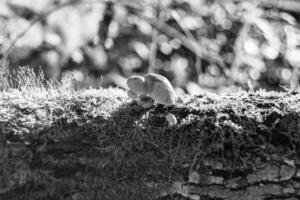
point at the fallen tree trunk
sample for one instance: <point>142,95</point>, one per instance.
<point>97,144</point>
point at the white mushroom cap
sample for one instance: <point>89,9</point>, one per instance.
<point>160,89</point>
<point>171,119</point>
<point>136,84</point>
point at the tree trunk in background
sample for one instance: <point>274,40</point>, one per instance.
<point>99,145</point>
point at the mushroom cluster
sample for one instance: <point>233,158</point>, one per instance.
<point>151,88</point>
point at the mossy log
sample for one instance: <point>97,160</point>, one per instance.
<point>98,144</point>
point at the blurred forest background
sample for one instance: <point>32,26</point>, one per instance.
<point>199,45</point>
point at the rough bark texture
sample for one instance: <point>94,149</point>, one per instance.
<point>97,144</point>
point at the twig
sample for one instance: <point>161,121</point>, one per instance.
<point>186,30</point>
<point>180,22</point>
<point>153,46</point>
<point>190,44</point>
<point>238,49</point>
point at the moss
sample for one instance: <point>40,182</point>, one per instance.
<point>98,144</point>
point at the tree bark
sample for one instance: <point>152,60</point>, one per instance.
<point>98,144</point>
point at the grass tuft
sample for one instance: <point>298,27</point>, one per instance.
<point>26,79</point>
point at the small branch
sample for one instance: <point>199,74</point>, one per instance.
<point>187,32</point>
<point>153,46</point>
<point>190,44</point>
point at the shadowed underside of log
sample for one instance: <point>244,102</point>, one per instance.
<point>97,144</point>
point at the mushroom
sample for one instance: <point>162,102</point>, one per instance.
<point>171,119</point>
<point>153,86</point>
<point>136,84</point>
<point>160,89</point>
